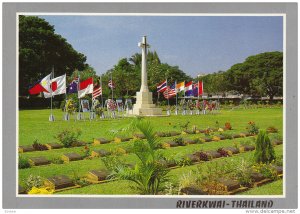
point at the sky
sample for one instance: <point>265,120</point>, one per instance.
<point>197,44</point>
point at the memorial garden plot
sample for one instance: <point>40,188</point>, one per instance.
<point>85,165</point>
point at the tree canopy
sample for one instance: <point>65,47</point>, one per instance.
<point>258,75</point>
<point>40,49</point>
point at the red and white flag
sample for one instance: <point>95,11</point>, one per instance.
<point>200,88</point>
<point>58,86</point>
<point>97,91</point>
<point>85,87</point>
<point>111,84</point>
<point>42,85</point>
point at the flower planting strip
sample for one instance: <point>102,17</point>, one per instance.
<point>52,184</point>
<point>98,141</point>
<point>102,153</point>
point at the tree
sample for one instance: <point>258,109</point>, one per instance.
<point>40,49</point>
<point>264,152</point>
<point>149,175</point>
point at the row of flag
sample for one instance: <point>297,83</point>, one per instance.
<point>50,86</point>
<point>190,89</point>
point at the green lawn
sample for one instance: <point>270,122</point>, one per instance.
<point>34,124</point>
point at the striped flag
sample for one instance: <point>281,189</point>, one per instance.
<point>162,86</point>
<point>111,84</point>
<point>180,86</point>
<point>170,92</point>
<point>97,91</point>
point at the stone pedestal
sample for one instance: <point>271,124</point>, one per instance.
<point>144,105</point>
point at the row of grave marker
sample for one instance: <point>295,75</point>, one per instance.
<point>117,139</point>
<point>38,161</point>
<point>63,182</point>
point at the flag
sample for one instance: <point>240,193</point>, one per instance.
<point>42,85</point>
<point>180,86</point>
<point>195,89</point>
<point>97,91</point>
<point>170,92</point>
<point>189,89</point>
<point>200,88</point>
<point>85,87</point>
<point>111,84</point>
<point>162,86</point>
<point>72,88</point>
<point>58,86</point>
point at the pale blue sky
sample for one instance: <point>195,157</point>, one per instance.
<point>197,44</point>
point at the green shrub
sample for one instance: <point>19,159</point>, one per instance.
<point>33,181</point>
<point>264,149</point>
<point>243,173</point>
<point>252,128</point>
<point>23,163</point>
<point>67,137</point>
<point>38,146</point>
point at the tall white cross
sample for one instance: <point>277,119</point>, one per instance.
<point>144,46</point>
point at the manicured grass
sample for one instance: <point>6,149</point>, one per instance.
<point>34,124</point>
<point>274,188</point>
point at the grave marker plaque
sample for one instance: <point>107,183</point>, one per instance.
<point>193,157</point>
<point>139,136</point>
<point>256,177</point>
<point>97,175</point>
<point>99,141</point>
<point>26,149</point>
<point>71,157</point>
<point>100,153</point>
<point>232,150</point>
<point>38,161</point>
<point>192,191</point>
<point>248,148</point>
<point>230,185</point>
<point>59,182</point>
<point>119,139</point>
<point>53,146</point>
<point>213,154</point>
<point>189,141</point>
<point>174,133</point>
<point>21,190</point>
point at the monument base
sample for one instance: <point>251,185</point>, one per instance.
<point>144,105</point>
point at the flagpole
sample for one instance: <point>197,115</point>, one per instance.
<point>176,96</point>
<point>66,97</point>
<point>51,119</point>
<point>78,87</point>
<point>101,91</point>
<point>112,88</point>
<point>168,93</point>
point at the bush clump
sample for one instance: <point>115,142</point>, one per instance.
<point>68,137</point>
<point>38,146</point>
<point>264,152</point>
<point>23,163</point>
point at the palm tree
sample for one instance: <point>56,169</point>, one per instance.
<point>149,174</point>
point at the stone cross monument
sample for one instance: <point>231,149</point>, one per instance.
<point>144,105</point>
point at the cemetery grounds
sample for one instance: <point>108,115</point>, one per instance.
<point>35,127</point>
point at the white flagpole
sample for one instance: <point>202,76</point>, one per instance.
<point>101,91</point>
<point>66,97</point>
<point>51,118</point>
<point>112,88</point>
<point>176,95</point>
<point>168,93</point>
<point>78,87</point>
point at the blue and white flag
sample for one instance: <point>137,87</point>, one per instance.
<point>73,86</point>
